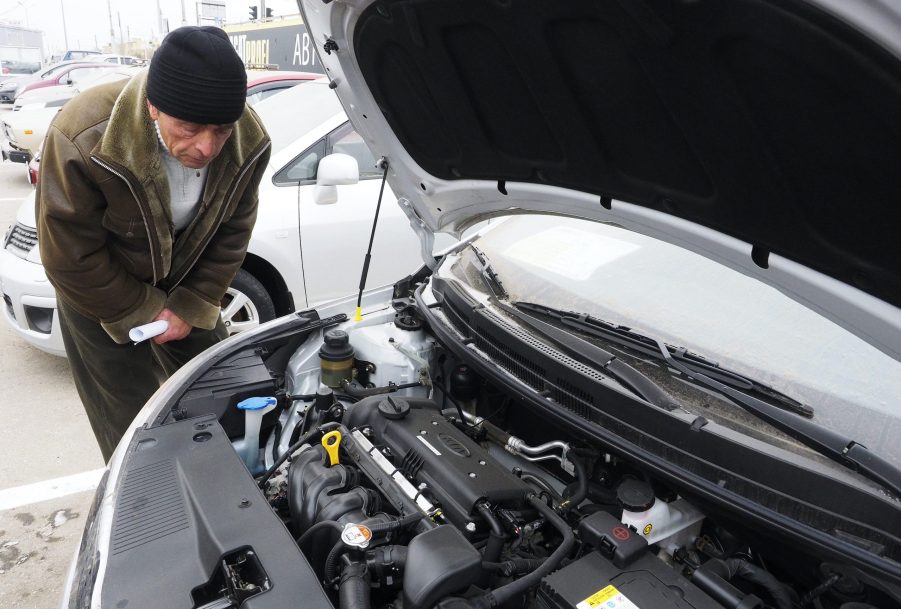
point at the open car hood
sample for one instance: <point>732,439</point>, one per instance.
<point>763,134</point>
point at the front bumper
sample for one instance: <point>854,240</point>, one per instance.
<point>29,303</point>
<point>14,154</point>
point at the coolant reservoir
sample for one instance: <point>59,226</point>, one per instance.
<point>668,525</point>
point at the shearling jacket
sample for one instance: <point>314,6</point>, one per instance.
<point>105,231</point>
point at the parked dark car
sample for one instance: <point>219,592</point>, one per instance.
<point>8,66</point>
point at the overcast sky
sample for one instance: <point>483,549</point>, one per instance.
<point>89,20</point>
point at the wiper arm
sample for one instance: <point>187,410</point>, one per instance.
<point>599,358</point>
<point>488,274</point>
<point>829,443</point>
<point>648,346</point>
<point>839,448</point>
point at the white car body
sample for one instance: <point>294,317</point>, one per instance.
<point>314,252</point>
<point>27,128</point>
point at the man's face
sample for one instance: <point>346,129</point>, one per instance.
<point>192,144</point>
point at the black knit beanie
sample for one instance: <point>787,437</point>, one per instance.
<point>197,76</point>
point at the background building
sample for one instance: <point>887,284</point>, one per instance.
<point>19,45</point>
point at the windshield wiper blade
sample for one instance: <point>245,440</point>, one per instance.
<point>837,447</point>
<point>648,346</point>
<point>598,358</point>
<point>831,444</point>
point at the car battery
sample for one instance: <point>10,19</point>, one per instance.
<point>622,573</point>
<point>593,582</point>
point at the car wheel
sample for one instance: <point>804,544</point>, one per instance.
<point>246,304</point>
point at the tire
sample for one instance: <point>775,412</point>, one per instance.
<point>246,304</point>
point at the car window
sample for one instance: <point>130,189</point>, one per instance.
<point>302,170</point>
<point>261,95</point>
<point>346,140</point>
<point>295,112</point>
<point>52,72</point>
<point>80,74</point>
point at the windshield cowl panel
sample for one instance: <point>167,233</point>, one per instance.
<point>728,318</point>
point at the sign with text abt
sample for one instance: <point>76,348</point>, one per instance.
<point>284,44</point>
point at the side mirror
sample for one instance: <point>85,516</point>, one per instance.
<point>334,170</point>
<point>337,170</point>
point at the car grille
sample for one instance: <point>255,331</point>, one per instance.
<point>21,240</point>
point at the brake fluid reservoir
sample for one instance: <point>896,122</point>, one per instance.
<point>668,525</point>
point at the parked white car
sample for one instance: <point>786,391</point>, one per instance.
<point>24,129</point>
<point>300,253</point>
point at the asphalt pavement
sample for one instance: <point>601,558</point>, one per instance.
<point>48,456</point>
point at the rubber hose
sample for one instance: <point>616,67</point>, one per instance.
<point>495,537</point>
<point>396,525</point>
<point>304,439</point>
<point>354,588</point>
<point>386,557</point>
<point>334,525</point>
<point>331,562</point>
<point>363,392</point>
<point>581,483</point>
<point>742,568</point>
<point>514,566</point>
<point>597,493</point>
<point>515,588</point>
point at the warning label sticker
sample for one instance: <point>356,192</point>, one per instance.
<point>608,598</point>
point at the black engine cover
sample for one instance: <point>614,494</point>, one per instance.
<point>426,447</point>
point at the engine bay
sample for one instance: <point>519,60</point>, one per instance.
<point>409,481</point>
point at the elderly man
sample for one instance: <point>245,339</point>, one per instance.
<point>146,201</point>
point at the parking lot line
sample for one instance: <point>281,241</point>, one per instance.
<point>27,494</point>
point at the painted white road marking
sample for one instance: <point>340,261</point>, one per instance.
<point>27,494</point>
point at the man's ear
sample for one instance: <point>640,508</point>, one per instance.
<point>154,113</point>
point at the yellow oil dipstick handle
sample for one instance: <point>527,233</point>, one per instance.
<point>330,442</point>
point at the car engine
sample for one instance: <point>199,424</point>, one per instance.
<point>412,483</point>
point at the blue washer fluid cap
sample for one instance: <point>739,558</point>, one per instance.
<point>256,403</point>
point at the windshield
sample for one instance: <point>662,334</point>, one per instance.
<point>687,300</point>
<point>293,112</point>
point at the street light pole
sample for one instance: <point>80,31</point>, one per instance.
<point>24,6</point>
<point>159,19</point>
<point>62,10</point>
<point>112,31</point>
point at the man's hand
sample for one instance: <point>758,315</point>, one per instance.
<point>178,328</point>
